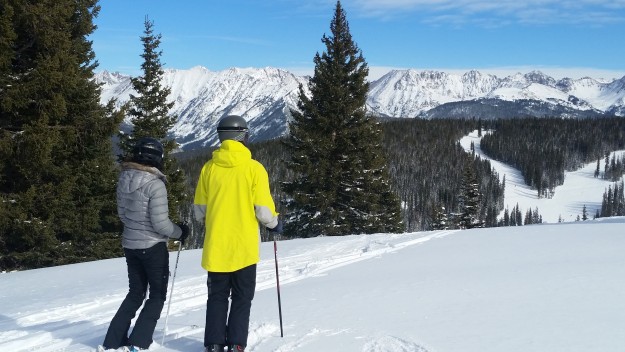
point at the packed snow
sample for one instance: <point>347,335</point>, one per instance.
<point>549,287</point>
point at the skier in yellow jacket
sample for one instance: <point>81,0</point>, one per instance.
<point>232,197</point>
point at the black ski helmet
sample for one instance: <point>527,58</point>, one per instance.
<point>233,127</point>
<point>149,151</point>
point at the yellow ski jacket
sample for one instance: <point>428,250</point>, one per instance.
<point>232,197</point>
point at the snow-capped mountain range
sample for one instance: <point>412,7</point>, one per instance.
<point>264,96</point>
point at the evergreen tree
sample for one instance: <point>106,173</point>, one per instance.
<point>439,219</point>
<point>610,202</point>
<point>536,217</point>
<point>57,174</point>
<point>519,216</point>
<point>584,213</point>
<point>341,183</point>
<point>528,217</point>
<point>613,203</point>
<point>470,200</point>
<point>620,199</point>
<point>506,218</point>
<point>149,113</point>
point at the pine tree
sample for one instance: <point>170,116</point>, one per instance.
<point>528,217</point>
<point>506,218</point>
<point>519,216</point>
<point>439,218</point>
<point>620,200</point>
<point>149,113</point>
<point>470,199</point>
<point>536,217</point>
<point>610,202</point>
<point>606,168</point>
<point>57,174</point>
<point>584,213</point>
<point>341,184</point>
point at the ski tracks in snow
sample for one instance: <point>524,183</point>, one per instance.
<point>392,343</point>
<point>81,325</point>
<point>317,260</point>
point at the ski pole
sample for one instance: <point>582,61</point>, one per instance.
<point>275,254</point>
<point>171,292</point>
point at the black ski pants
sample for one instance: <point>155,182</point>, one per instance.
<point>223,328</point>
<point>145,267</point>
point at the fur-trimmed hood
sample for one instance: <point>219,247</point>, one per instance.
<point>133,180</point>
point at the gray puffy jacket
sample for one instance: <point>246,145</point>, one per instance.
<point>142,207</point>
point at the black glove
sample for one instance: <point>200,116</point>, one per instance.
<point>185,232</point>
<point>278,229</point>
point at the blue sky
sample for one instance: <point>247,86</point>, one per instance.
<point>563,38</point>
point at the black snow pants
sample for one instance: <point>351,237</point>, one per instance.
<point>145,267</point>
<point>223,328</point>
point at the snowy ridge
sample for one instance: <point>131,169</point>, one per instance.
<point>202,96</point>
<point>264,96</point>
<point>411,93</point>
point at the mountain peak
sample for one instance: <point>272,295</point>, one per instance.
<point>265,96</point>
<point>541,78</point>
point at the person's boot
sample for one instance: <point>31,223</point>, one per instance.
<point>236,348</point>
<point>214,348</point>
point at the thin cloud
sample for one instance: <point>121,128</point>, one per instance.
<point>593,12</point>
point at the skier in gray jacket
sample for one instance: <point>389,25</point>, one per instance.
<point>142,207</point>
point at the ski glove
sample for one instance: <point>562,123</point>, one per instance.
<point>278,229</point>
<point>185,232</point>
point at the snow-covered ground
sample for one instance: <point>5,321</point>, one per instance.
<point>556,287</point>
<point>540,288</point>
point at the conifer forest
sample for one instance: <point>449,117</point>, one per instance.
<point>431,173</point>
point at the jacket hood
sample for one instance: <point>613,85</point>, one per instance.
<point>231,153</point>
<point>135,175</point>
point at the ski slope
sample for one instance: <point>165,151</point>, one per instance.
<point>580,188</point>
<point>549,287</point>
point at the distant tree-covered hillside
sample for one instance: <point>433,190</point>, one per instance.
<point>426,166</point>
<point>439,184</point>
<point>544,148</point>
